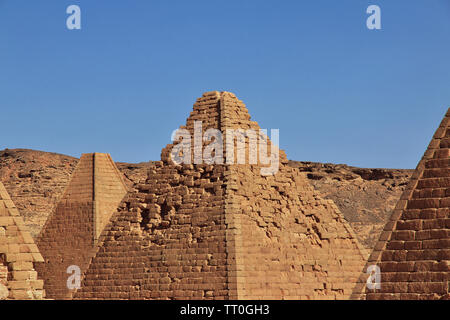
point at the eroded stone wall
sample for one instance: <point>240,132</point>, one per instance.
<point>166,242</point>
<point>291,243</point>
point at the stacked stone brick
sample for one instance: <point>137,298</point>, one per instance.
<point>413,252</point>
<point>19,255</point>
<point>70,234</point>
<point>224,231</point>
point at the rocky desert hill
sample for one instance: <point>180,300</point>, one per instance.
<point>366,197</point>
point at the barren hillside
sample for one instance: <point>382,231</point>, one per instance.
<point>36,180</point>
<point>366,197</point>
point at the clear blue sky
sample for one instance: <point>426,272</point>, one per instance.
<point>337,91</point>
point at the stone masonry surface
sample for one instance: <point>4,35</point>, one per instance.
<point>224,231</point>
<point>18,254</point>
<point>70,234</point>
<point>413,251</point>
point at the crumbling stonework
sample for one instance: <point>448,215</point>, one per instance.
<point>19,255</point>
<point>224,231</point>
<point>413,252</point>
<point>70,234</point>
<point>4,291</point>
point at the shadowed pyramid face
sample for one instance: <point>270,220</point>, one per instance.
<point>219,131</point>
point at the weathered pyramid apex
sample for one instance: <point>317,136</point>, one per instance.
<point>218,94</point>
<point>93,153</point>
<point>236,139</point>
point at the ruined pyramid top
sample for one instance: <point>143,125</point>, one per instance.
<point>219,130</point>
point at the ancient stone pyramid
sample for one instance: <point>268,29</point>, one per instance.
<point>70,234</point>
<point>18,254</point>
<point>413,252</point>
<point>224,231</point>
